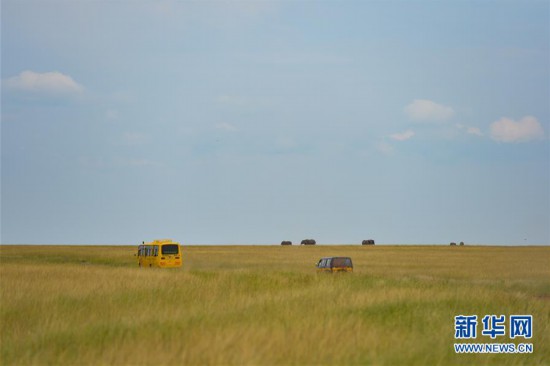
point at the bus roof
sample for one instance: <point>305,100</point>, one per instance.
<point>162,241</point>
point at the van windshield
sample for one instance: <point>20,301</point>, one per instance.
<point>341,262</point>
<point>170,249</point>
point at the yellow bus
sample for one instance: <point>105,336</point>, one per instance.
<point>163,253</point>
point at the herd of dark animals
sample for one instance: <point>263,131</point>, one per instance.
<point>313,242</point>
<point>364,242</point>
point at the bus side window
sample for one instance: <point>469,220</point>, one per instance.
<point>156,251</point>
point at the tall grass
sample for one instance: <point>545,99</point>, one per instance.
<point>264,305</point>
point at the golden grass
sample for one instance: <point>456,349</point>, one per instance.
<point>256,305</point>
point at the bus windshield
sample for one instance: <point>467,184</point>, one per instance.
<point>170,249</point>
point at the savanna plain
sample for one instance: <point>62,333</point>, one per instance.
<point>266,305</point>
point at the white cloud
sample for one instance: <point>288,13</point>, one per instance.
<point>470,130</point>
<point>526,129</point>
<point>47,82</point>
<point>424,110</point>
<point>384,148</point>
<point>474,131</point>
<point>225,126</point>
<point>403,136</point>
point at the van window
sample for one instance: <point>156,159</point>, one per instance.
<point>341,262</point>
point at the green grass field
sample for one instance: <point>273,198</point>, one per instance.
<point>265,305</point>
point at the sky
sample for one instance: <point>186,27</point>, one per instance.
<point>253,122</point>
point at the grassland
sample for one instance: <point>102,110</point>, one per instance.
<point>265,305</point>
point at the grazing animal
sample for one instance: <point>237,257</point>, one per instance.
<point>453,243</point>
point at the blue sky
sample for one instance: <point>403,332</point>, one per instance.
<point>254,122</point>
